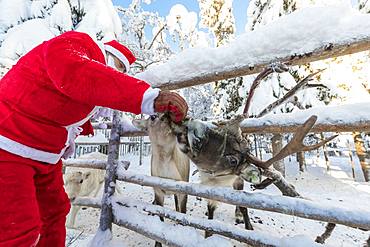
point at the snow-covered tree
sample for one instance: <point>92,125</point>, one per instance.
<point>345,78</point>
<point>217,15</point>
<point>26,23</point>
<point>183,28</point>
<point>154,38</point>
<point>144,33</point>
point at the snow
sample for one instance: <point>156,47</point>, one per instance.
<point>335,187</point>
<point>303,32</point>
<point>214,224</point>
<point>61,16</point>
<point>26,24</point>
<point>12,12</point>
<point>329,115</point>
<point>173,233</point>
<point>189,19</point>
<point>22,38</point>
<point>101,17</point>
<point>99,137</point>
<point>280,204</point>
<point>126,124</point>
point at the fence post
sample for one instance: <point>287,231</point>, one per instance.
<point>106,216</point>
<point>141,151</point>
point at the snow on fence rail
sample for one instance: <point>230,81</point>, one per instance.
<point>254,238</point>
<point>166,233</point>
<point>305,39</point>
<point>345,33</point>
<point>330,119</point>
<point>279,204</point>
<point>94,164</point>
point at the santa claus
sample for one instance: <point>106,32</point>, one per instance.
<point>46,100</point>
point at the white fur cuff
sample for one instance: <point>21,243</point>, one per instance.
<point>147,105</point>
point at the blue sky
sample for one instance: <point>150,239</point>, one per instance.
<point>163,8</point>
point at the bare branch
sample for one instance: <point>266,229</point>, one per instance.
<point>300,85</point>
<point>275,67</point>
<point>328,230</point>
<point>155,36</point>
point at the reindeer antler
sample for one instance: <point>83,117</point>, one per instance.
<point>294,146</point>
<point>275,67</point>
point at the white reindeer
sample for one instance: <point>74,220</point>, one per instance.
<point>167,161</point>
<point>80,182</point>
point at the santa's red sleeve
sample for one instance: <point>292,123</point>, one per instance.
<point>69,64</point>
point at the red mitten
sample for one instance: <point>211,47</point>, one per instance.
<point>172,103</point>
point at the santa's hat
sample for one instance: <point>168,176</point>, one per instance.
<point>121,52</point>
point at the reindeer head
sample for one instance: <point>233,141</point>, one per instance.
<point>219,150</point>
<point>158,128</point>
<point>74,182</point>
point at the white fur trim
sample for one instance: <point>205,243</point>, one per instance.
<point>147,105</point>
<point>29,152</point>
<point>102,49</point>
<point>119,55</point>
<point>73,131</point>
<point>43,156</point>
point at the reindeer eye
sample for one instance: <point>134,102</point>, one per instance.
<point>81,181</point>
<point>233,161</point>
<point>153,117</point>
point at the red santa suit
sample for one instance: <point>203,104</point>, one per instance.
<point>44,99</point>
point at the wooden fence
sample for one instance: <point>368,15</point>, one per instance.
<point>113,209</point>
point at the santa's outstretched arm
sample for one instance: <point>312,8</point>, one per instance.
<point>77,75</point>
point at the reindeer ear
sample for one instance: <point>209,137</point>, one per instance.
<point>233,126</point>
<point>141,124</point>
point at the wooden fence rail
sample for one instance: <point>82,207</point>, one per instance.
<point>290,206</point>
<point>280,204</point>
<point>253,238</point>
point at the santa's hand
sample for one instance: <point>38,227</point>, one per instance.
<point>172,103</point>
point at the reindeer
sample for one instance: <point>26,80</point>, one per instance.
<point>83,182</point>
<point>220,149</point>
<point>167,161</point>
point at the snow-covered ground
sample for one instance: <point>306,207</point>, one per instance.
<point>336,187</point>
